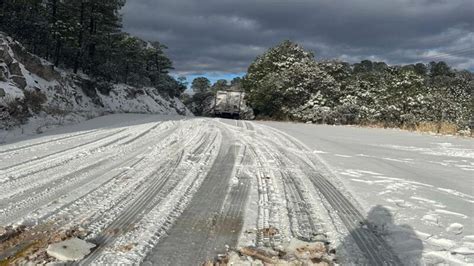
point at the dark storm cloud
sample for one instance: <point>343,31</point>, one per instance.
<point>226,35</point>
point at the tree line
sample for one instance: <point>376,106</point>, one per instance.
<point>286,82</point>
<point>86,35</point>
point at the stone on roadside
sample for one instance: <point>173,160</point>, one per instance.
<point>455,228</point>
<point>70,250</point>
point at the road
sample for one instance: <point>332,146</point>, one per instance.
<point>171,191</point>
<point>425,181</point>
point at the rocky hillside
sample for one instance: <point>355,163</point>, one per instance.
<point>34,95</point>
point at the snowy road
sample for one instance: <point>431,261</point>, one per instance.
<point>426,182</point>
<point>171,191</point>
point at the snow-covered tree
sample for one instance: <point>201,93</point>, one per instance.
<point>283,78</point>
<point>286,81</point>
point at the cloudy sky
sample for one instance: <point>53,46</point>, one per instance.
<point>220,38</point>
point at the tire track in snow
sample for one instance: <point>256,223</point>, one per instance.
<point>155,225</point>
<point>304,224</point>
<point>21,148</point>
<point>149,199</point>
<point>142,183</point>
<point>190,238</point>
<point>134,161</point>
<point>141,135</point>
<point>374,247</point>
<point>26,178</point>
<point>268,206</point>
<point>163,159</point>
<point>20,205</point>
<point>22,164</point>
<point>40,193</point>
<point>134,212</point>
<point>103,198</point>
<point>19,180</point>
<point>53,213</point>
<point>229,225</point>
<point>16,209</point>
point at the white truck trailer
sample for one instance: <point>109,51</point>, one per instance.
<point>228,104</point>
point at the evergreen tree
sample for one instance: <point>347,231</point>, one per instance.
<point>86,35</point>
<point>220,85</point>
<point>201,85</point>
<point>282,78</point>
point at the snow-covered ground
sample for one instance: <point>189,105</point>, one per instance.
<point>426,182</point>
<point>176,190</point>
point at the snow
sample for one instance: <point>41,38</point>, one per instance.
<point>422,179</point>
<point>443,258</point>
<point>342,155</point>
<point>11,91</point>
<point>455,228</point>
<point>441,243</point>
<point>431,218</point>
<point>143,170</point>
<point>70,250</point>
<point>438,149</point>
<point>451,213</point>
<point>463,251</point>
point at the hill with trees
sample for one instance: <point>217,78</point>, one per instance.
<point>86,36</point>
<point>68,60</point>
<point>287,82</point>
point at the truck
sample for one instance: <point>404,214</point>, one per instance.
<point>228,104</point>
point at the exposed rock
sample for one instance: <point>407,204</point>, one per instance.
<point>70,250</point>
<point>2,92</point>
<point>33,63</point>
<point>5,56</point>
<point>2,75</point>
<point>89,88</point>
<point>15,69</point>
<point>20,81</point>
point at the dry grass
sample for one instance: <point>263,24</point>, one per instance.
<point>424,127</point>
<point>443,128</point>
<point>440,128</point>
<point>28,245</point>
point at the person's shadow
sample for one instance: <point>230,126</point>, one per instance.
<point>401,239</point>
